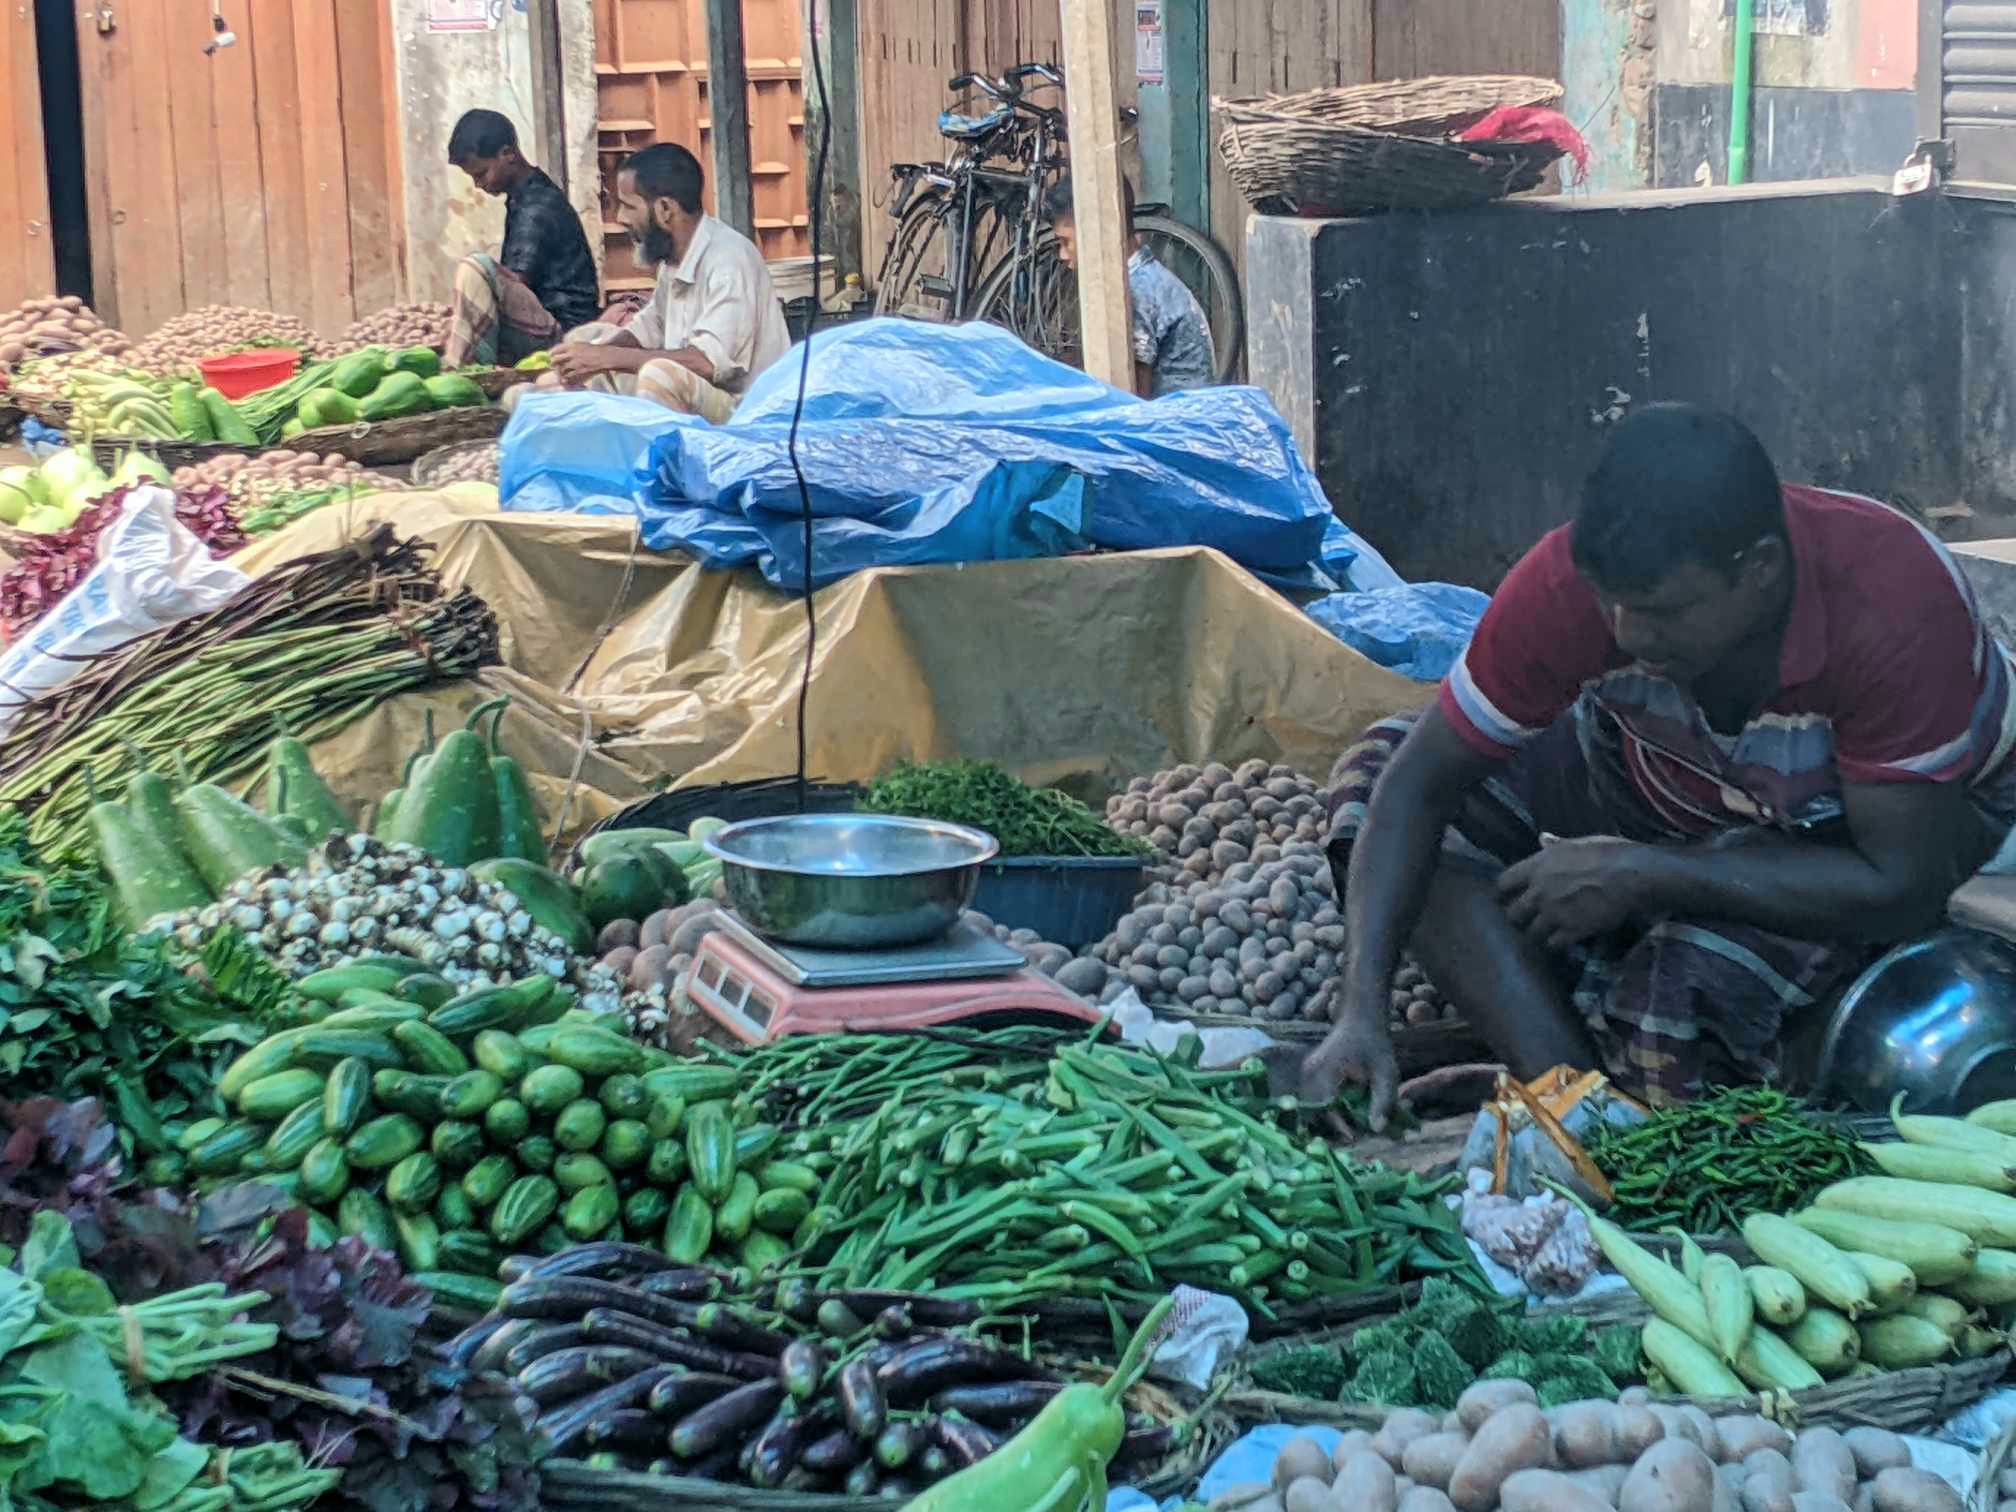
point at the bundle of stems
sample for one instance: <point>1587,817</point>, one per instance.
<point>309,648</point>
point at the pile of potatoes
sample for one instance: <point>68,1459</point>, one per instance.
<point>1499,1450</point>
<point>276,472</point>
<point>215,329</point>
<point>1207,819</point>
<point>465,464</point>
<point>44,327</point>
<point>401,325</point>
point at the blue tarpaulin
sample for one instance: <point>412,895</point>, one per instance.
<point>926,443</point>
<point>1417,629</point>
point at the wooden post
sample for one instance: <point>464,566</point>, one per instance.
<point>549,123</point>
<point>831,26</point>
<point>1104,239</point>
<point>728,113</point>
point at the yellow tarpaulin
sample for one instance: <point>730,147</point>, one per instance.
<point>651,673</point>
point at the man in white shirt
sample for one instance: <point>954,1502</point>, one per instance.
<point>714,321</point>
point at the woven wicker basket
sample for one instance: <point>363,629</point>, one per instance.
<point>1430,107</point>
<point>386,442</point>
<point>54,413</point>
<point>1904,1401</point>
<point>108,450</point>
<point>495,381</point>
<point>1293,165</point>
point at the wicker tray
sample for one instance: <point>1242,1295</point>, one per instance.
<point>1432,107</point>
<point>54,413</point>
<point>107,450</point>
<point>1904,1401</point>
<point>1288,164</point>
<point>495,381</point>
<point>384,442</point>
<point>426,469</point>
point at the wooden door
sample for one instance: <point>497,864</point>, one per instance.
<point>27,256</point>
<point>651,86</point>
<point>264,174</point>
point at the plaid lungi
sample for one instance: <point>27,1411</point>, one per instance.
<point>1683,1005</point>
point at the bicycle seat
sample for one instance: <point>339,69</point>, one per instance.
<point>962,128</point>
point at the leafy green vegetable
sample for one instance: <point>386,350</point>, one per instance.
<point>1312,1371</point>
<point>1027,821</point>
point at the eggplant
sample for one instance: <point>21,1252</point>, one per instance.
<point>461,1349</point>
<point>685,1283</point>
<point>680,1393</point>
<point>1146,1443</point>
<point>863,1479</point>
<point>568,1373</point>
<point>999,1404</point>
<point>490,1354</point>
<point>863,1407</point>
<point>541,1340</point>
<point>625,1428</point>
<point>610,1257</point>
<point>934,1463</point>
<point>898,1444</point>
<point>662,1467</point>
<point>513,1267</point>
<point>724,1325</point>
<point>931,1312</point>
<point>933,1363</point>
<point>705,1429</point>
<point>796,1300</point>
<point>837,1320</point>
<point>571,1296</point>
<point>561,1428</point>
<point>718,1466</point>
<point>606,1325</point>
<point>801,1369</point>
<point>443,1319</point>
<point>777,1448</point>
<point>894,1322</point>
<point>832,1453</point>
<point>964,1443</point>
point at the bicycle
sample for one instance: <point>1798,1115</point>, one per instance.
<point>972,241</point>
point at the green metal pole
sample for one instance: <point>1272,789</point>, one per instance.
<point>1739,94</point>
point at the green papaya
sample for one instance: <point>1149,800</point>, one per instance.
<point>451,391</point>
<point>357,374</point>
<point>326,406</point>
<point>398,395</point>
<point>422,362</point>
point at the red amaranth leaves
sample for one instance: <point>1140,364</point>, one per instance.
<point>49,565</point>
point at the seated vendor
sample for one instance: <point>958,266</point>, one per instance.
<point>1713,744</point>
<point>543,279</point>
<point>1172,339</point>
<point>714,321</point>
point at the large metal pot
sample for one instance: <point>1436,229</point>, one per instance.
<point>852,881</point>
<point>1934,1019</point>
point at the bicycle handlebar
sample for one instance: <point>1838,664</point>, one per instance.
<point>1041,71</point>
<point>982,83</point>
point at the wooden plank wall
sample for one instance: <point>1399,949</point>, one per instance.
<point>266,174</point>
<point>27,258</point>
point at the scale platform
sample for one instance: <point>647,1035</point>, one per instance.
<point>760,990</point>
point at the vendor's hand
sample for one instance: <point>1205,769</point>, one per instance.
<point>575,362</point>
<point>1360,1051</point>
<point>1573,890</point>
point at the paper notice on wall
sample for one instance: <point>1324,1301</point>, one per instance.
<point>1149,65</point>
<point>464,15</point>
<point>1781,18</point>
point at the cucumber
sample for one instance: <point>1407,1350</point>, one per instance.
<point>322,1048</point>
<point>734,1215</point>
<point>590,1211</point>
<point>453,1209</point>
<point>485,1182</point>
<point>419,1241</point>
<point>506,1121</point>
<point>607,845</point>
<point>295,1135</point>
<point>551,1088</point>
<point>576,1172</point>
<point>468,1095</point>
<point>667,1164</point>
<point>197,1132</point>
<point>690,1228</point>
<point>626,1143</point>
<point>363,1215</point>
<point>623,1096</point>
<point>498,1051</point>
<point>476,1010</point>
<point>762,1250</point>
<point>710,1151</point>
<point>523,1209</point>
<point>459,1289</point>
<point>596,1052</point>
<point>224,1150</point>
<point>457,1145</point>
<point>408,1092</point>
<point>384,1142</point>
<point>666,1112</point>
<point>580,1125</point>
<point>537,1153</point>
<point>426,990</point>
<point>412,1185</point>
<point>784,1173</point>
<point>324,1171</point>
<point>346,1096</point>
<point>428,1050</point>
<point>465,1249</point>
<point>645,1210</point>
<point>695,1083</point>
<point>379,1018</point>
<point>273,1054</point>
<point>271,1098</point>
<point>781,1209</point>
<point>329,984</point>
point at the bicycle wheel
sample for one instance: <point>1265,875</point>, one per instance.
<point>1205,269</point>
<point>914,265</point>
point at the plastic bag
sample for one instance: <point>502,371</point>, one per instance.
<point>1218,1048</point>
<point>151,572</point>
<point>1204,1328</point>
<point>1417,629</point>
<point>577,451</point>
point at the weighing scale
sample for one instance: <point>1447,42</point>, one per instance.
<point>761,990</point>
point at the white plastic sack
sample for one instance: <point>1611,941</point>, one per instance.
<point>1221,1048</point>
<point>152,571</point>
<point>1203,1328</point>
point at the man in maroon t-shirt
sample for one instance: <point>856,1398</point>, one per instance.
<point>1712,746</point>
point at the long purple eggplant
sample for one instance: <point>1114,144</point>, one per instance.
<point>998,1403</point>
<point>677,1395</point>
<point>702,1431</point>
<point>568,1373</point>
<point>562,1428</point>
<point>607,1325</point>
<point>937,1362</point>
<point>600,1260</point>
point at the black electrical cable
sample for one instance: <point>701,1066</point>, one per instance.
<point>804,377</point>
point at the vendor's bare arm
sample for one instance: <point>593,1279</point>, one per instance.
<point>1910,845</point>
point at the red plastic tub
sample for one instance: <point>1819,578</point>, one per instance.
<point>243,373</point>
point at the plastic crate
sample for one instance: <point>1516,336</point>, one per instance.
<point>1068,900</point>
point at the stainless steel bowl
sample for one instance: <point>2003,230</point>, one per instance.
<point>1934,1019</point>
<point>853,881</point>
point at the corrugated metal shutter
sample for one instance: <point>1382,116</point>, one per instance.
<point>1977,88</point>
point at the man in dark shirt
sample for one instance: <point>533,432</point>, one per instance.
<point>543,283</point>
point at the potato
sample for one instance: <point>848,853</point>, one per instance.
<point>1548,1491</point>
<point>1772,1464</point>
<point>1424,1499</point>
<point>1763,1493</point>
<point>1452,1421</point>
<point>1486,1397</point>
<point>1607,1481</point>
<point>1309,1494</point>
<point>648,966</point>
<point>1741,1437</point>
<point>1512,1439</point>
<point>1822,1463</point>
<point>1677,1425</point>
<point>1705,1432</point>
<point>1364,1483</point>
<point>1401,1428</point>
<point>1585,1434</point>
<point>1432,1459</point>
<point>617,932</point>
<point>1818,1501</point>
<point>1348,1444</point>
<point>1232,1498</point>
<point>1638,1429</point>
<point>619,959</point>
<point>1634,1396</point>
<point>1674,1475</point>
<point>1903,1489</point>
<point>1300,1458</point>
<point>1875,1450</point>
